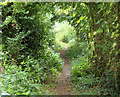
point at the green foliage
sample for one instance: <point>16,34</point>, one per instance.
<point>80,67</point>
<point>91,85</point>
<point>30,43</point>
<point>64,34</point>
<point>53,60</point>
<point>85,85</point>
<point>0,46</point>
<point>29,80</point>
<point>28,55</point>
<point>21,82</point>
<point>76,49</point>
<point>101,33</point>
<point>28,29</point>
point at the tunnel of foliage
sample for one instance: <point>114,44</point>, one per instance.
<point>96,55</point>
<point>29,53</point>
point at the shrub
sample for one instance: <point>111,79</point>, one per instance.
<point>28,77</point>
<point>80,66</point>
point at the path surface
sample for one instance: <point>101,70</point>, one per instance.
<point>63,86</point>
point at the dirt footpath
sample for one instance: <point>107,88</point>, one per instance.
<point>63,86</point>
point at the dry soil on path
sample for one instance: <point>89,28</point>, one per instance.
<point>63,86</point>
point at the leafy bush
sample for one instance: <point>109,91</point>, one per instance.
<point>76,49</point>
<point>53,59</point>
<point>80,66</point>
<point>24,31</point>
<point>28,77</point>
<point>85,83</point>
<point>21,82</point>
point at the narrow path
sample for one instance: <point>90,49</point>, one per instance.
<point>63,86</point>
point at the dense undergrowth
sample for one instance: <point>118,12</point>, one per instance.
<point>84,79</point>
<point>28,56</point>
<point>32,36</point>
<point>95,58</point>
<point>85,82</point>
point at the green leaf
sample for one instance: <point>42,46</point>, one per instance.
<point>78,21</point>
